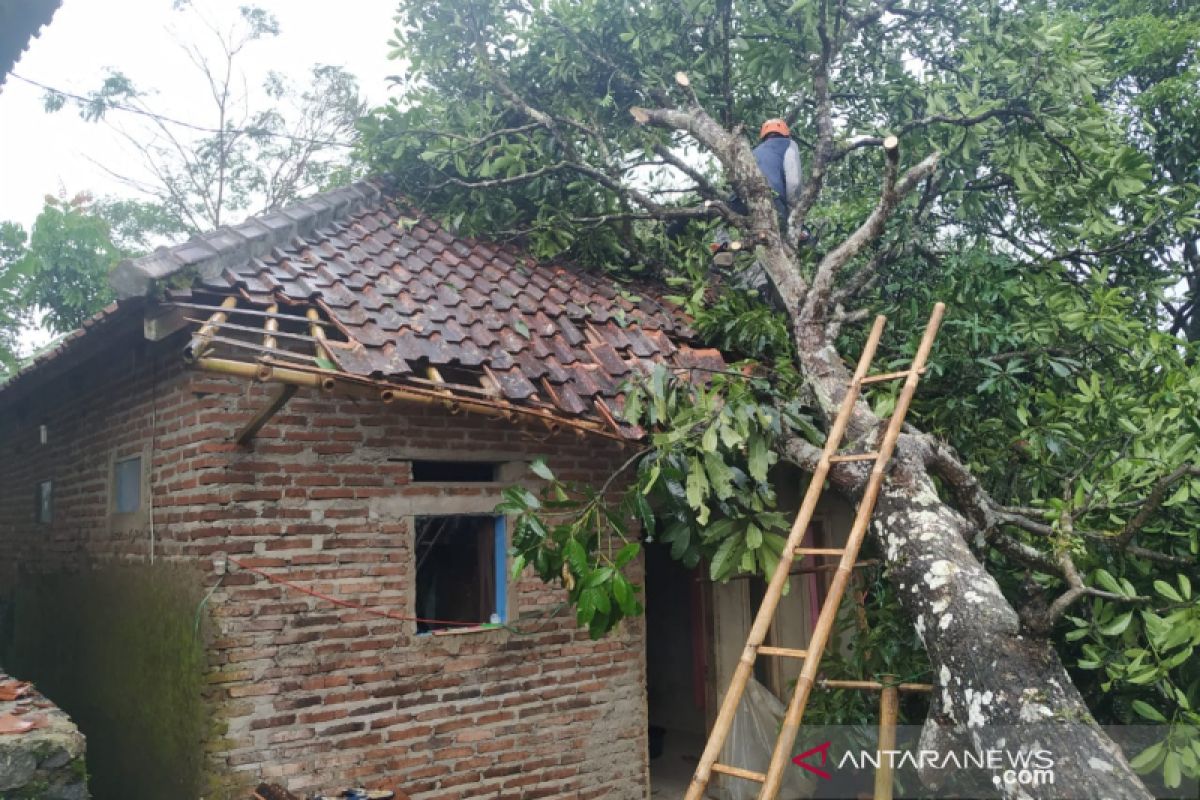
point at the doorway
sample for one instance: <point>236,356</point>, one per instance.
<point>676,665</point>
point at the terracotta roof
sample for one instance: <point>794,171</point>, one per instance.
<point>406,295</point>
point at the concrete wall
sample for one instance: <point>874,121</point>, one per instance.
<point>305,693</point>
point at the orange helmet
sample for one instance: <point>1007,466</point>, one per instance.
<point>773,126</point>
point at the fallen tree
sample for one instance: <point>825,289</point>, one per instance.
<point>578,128</point>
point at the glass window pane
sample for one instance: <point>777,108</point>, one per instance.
<point>128,490</point>
<point>45,501</point>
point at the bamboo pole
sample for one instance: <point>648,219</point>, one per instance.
<point>829,609</point>
<point>258,372</point>
<point>436,378</point>
<point>270,334</point>
<point>874,686</point>
<point>766,611</point>
<point>263,416</point>
<point>247,312</point>
<point>318,333</point>
<point>271,326</point>
<point>200,342</point>
<point>889,709</point>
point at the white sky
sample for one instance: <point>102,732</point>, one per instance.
<point>44,153</point>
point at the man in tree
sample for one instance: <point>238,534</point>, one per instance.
<point>779,159</point>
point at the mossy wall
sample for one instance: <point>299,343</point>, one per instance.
<point>118,650</point>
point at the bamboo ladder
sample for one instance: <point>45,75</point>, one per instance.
<point>773,777</point>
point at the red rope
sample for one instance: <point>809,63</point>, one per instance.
<point>347,603</point>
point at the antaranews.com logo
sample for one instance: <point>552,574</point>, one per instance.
<point>1009,767</point>
<point>841,762</point>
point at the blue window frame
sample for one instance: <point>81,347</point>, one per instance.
<point>500,552</point>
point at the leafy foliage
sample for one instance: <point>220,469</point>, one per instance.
<point>65,267</point>
<point>1071,405</point>
<point>12,270</point>
<point>702,487</point>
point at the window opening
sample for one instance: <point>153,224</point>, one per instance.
<point>454,471</point>
<point>45,501</point>
<point>461,571</point>
<point>127,485</point>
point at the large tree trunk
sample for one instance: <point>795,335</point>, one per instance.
<point>997,687</point>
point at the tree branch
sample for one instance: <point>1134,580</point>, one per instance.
<point>892,192</point>
<point>1153,501</point>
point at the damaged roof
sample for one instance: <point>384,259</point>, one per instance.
<point>406,294</point>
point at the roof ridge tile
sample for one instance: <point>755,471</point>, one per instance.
<point>228,247</point>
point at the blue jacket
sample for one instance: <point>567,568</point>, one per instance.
<point>779,159</point>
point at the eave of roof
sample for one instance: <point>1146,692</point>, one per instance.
<point>69,350</point>
<point>20,21</point>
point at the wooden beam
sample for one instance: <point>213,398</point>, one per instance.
<point>278,401</point>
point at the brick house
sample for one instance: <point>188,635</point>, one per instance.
<point>295,432</point>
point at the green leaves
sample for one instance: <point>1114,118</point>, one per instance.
<point>64,268</point>
<point>570,536</point>
<point>701,488</point>
<point>709,469</point>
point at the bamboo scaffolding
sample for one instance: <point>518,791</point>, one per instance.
<point>766,612</point>
<point>263,416</point>
<point>435,377</point>
<point>258,348</point>
<point>271,326</point>
<point>866,505</point>
<point>873,686</point>
<point>250,312</point>
<point>258,372</point>
<point>269,334</point>
<point>318,334</point>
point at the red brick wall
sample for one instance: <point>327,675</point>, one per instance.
<point>312,695</point>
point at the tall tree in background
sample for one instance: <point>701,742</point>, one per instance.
<point>56,275</point>
<point>260,147</point>
<point>12,247</point>
<point>1043,510</point>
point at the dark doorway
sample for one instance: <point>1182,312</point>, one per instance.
<point>676,652</point>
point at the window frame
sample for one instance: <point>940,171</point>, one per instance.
<point>500,566</point>
<point>38,505</point>
<point>128,521</point>
<point>405,508</point>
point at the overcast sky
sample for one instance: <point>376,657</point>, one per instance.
<point>43,153</point>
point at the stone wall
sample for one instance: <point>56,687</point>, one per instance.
<point>46,762</point>
<point>306,693</point>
